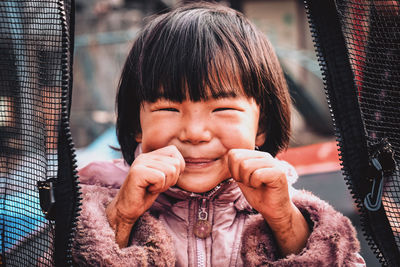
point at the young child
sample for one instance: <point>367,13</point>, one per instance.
<point>203,108</point>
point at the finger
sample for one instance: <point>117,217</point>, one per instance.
<point>169,166</point>
<point>272,177</point>
<point>172,169</point>
<point>248,165</point>
<point>148,178</point>
<point>168,160</point>
<point>171,151</point>
<point>236,156</point>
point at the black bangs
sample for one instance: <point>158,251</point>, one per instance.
<point>196,52</point>
<point>196,55</point>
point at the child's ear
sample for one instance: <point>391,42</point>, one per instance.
<point>138,137</point>
<point>260,138</point>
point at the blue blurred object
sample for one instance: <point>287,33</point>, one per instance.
<point>100,149</point>
<point>20,217</point>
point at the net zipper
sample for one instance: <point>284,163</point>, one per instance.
<point>67,51</point>
<point>339,140</point>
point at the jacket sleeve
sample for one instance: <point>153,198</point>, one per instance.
<point>94,243</point>
<point>332,242</point>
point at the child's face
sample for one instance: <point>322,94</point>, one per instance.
<point>203,132</point>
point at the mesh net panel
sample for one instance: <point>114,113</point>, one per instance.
<point>358,45</point>
<point>34,93</point>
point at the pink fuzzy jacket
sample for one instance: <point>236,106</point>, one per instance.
<point>164,235</point>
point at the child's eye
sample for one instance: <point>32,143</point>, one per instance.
<point>223,109</point>
<point>168,109</point>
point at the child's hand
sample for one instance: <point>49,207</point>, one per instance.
<point>265,187</point>
<point>150,174</point>
<point>262,182</point>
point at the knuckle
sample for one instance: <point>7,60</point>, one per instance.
<point>173,170</point>
<point>267,155</point>
<point>256,179</point>
<point>139,159</point>
<point>279,172</point>
<point>234,157</point>
<point>175,153</point>
<point>169,147</point>
<point>264,155</point>
<point>160,177</point>
<point>281,178</point>
<point>136,168</point>
<point>232,153</point>
<point>173,149</point>
<point>170,171</point>
<point>257,175</point>
<point>160,181</point>
<point>245,164</point>
<point>176,162</point>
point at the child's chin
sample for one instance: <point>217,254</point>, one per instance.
<point>197,188</point>
<point>201,183</point>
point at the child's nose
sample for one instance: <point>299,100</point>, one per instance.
<point>195,131</point>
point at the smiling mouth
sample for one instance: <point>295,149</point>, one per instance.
<point>198,162</point>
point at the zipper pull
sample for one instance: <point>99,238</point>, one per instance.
<point>202,227</point>
<point>382,164</point>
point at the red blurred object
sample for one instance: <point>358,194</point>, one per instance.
<point>311,159</point>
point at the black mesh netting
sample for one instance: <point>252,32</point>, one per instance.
<point>35,144</point>
<point>358,45</point>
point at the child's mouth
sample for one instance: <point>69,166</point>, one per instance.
<point>198,162</point>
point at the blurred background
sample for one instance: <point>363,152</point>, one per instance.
<point>104,32</point>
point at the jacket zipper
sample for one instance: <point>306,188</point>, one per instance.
<point>201,253</point>
<point>202,215</point>
<point>200,242</point>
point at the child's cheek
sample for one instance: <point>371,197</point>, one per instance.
<point>151,145</point>
<point>238,137</point>
<point>154,140</point>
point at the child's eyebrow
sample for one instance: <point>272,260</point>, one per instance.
<point>226,94</point>
<point>163,100</point>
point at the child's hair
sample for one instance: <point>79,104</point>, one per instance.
<point>200,51</point>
